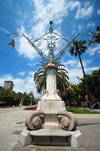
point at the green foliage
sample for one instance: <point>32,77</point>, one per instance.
<point>6,96</point>
<point>40,78</point>
<point>81,111</point>
<point>9,97</point>
<point>78,97</point>
<point>94,84</point>
<point>28,99</point>
<point>96,36</point>
<point>78,47</point>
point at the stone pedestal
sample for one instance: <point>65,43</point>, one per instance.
<point>51,127</point>
<point>52,137</point>
<point>51,124</point>
<point>51,106</point>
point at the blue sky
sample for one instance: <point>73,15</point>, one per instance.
<point>32,17</point>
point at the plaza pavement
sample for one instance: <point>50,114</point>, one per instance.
<point>12,123</point>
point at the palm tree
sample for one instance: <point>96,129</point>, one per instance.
<point>77,49</point>
<point>62,78</point>
<point>96,36</point>
<point>40,78</point>
<point>32,99</point>
<point>7,96</point>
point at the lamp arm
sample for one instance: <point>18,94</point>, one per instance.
<point>87,32</point>
<point>63,51</point>
<point>42,55</point>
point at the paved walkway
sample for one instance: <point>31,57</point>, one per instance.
<point>13,123</point>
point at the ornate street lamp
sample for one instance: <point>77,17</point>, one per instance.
<point>91,42</point>
<point>51,37</point>
<point>51,59</point>
<point>51,109</point>
<point>11,44</point>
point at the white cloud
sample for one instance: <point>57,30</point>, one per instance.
<point>44,11</point>
<point>48,11</point>
<point>19,12</point>
<point>84,12</point>
<point>4,30</point>
<point>80,27</point>
<point>98,11</point>
<point>73,73</point>
<point>76,63</point>
<point>26,85</point>
<point>31,64</point>
<point>25,49</point>
<point>23,46</point>
<point>30,2</point>
<point>85,62</point>
<point>21,73</point>
<point>21,85</point>
<point>31,73</point>
<point>90,24</point>
<point>93,50</point>
<point>6,77</point>
<point>75,69</point>
<point>70,62</point>
<point>90,69</point>
<point>72,5</point>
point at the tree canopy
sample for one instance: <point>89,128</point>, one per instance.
<point>9,97</point>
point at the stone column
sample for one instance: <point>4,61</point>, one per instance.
<point>51,84</point>
<point>51,81</point>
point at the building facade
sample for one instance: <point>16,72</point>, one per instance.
<point>8,85</point>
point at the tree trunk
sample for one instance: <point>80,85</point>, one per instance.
<point>87,89</point>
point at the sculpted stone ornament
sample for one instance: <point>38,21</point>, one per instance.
<point>51,111</point>
<point>68,120</point>
<point>51,119</point>
<point>34,120</point>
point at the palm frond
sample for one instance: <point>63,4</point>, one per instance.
<point>98,29</point>
<point>40,78</point>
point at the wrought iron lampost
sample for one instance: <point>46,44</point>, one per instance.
<point>51,37</point>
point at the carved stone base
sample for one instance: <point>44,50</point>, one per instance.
<point>56,137</point>
<point>51,106</point>
<point>59,120</point>
<point>51,124</point>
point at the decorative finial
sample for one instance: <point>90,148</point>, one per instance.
<point>51,22</point>
<point>50,29</point>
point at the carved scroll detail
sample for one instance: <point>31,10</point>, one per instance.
<point>67,120</point>
<point>34,120</point>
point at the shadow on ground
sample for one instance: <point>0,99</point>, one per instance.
<point>83,124</point>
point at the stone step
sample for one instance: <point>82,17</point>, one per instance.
<point>50,132</point>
